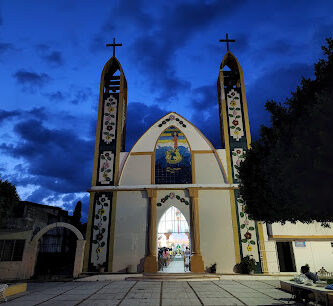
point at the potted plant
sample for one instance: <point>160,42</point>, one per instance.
<point>247,265</point>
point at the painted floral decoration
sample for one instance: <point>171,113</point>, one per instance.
<point>235,115</point>
<point>172,195</point>
<point>171,118</point>
<point>99,225</point>
<point>109,120</point>
<point>237,157</point>
<point>245,226</point>
<point>106,166</point>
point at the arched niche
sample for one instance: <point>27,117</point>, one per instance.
<point>173,164</point>
<point>80,244</point>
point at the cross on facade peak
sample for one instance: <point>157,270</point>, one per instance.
<point>227,40</point>
<point>114,45</point>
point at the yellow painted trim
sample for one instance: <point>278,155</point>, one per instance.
<point>88,232</point>
<point>235,226</point>
<point>100,109</point>
<point>222,102</point>
<point>245,111</point>
<point>262,248</point>
<point>193,168</point>
<point>225,128</point>
<point>121,104</point>
<point>142,153</point>
<point>308,237</point>
<point>202,151</point>
<point>15,289</point>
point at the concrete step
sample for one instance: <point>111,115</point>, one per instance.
<point>175,276</point>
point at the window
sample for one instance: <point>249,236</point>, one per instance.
<point>11,250</point>
<point>173,158</point>
<point>173,221</point>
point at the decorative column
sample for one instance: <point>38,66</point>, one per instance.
<point>197,265</point>
<point>236,139</point>
<point>150,264</point>
<point>110,141</point>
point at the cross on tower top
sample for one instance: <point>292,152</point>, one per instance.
<point>114,45</point>
<point>227,40</point>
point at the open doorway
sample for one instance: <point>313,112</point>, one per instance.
<point>173,237</point>
<point>286,256</point>
<point>56,254</point>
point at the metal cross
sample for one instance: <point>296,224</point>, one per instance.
<point>227,40</point>
<point>114,45</point>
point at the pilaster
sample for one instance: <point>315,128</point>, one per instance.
<point>150,263</point>
<point>197,264</point>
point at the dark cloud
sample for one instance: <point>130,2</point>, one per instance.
<point>71,201</point>
<point>39,195</point>
<point>82,95</point>
<point>36,112</point>
<point>208,123</point>
<point>56,96</point>
<point>276,84</point>
<point>4,47</point>
<point>56,160</point>
<point>204,97</point>
<point>31,81</point>
<point>165,32</point>
<point>139,118</point>
<point>8,114</point>
<point>278,46</point>
<point>53,57</point>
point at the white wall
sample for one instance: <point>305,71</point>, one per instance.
<point>137,170</point>
<point>130,230</point>
<point>222,154</point>
<point>316,254</point>
<point>207,169</point>
<point>216,234</point>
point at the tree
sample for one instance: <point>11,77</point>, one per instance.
<point>8,199</point>
<point>286,175</point>
<point>76,219</point>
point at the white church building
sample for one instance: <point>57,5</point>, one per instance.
<point>174,187</point>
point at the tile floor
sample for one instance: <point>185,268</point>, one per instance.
<point>222,292</point>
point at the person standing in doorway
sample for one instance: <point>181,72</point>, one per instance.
<point>187,255</point>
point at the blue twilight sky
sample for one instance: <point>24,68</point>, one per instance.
<point>52,54</point>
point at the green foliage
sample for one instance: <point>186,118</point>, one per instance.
<point>8,199</point>
<point>287,175</point>
<point>247,264</point>
<point>76,219</point>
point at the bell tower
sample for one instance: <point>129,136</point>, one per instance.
<point>110,141</point>
<point>236,139</point>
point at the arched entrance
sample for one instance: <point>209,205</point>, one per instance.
<point>173,237</point>
<point>79,252</point>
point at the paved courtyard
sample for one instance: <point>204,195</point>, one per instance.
<point>222,292</point>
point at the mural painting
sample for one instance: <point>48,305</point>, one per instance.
<point>172,158</point>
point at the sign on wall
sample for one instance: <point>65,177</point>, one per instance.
<point>300,244</point>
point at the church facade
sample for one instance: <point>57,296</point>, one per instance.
<point>174,165</point>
